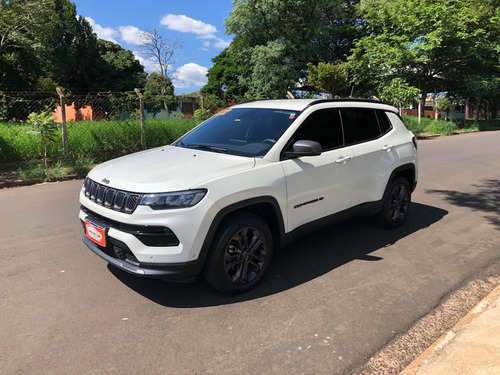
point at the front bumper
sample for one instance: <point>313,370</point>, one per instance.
<point>171,271</point>
<point>149,249</point>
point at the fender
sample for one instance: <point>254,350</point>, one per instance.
<point>258,205</point>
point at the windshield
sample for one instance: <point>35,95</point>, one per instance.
<point>240,131</point>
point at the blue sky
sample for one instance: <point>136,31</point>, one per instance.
<point>197,24</point>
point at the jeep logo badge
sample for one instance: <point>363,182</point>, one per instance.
<point>105,180</point>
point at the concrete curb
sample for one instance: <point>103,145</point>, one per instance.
<point>448,337</point>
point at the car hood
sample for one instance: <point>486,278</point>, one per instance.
<point>167,168</point>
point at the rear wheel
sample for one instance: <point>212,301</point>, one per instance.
<point>240,254</point>
<point>396,204</point>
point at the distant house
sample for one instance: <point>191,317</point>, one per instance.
<point>74,114</point>
<point>188,105</point>
<point>431,101</point>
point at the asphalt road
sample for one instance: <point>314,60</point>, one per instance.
<point>330,300</point>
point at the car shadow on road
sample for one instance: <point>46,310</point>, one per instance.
<point>486,198</point>
<point>307,258</point>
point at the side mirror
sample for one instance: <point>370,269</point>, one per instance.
<point>304,148</point>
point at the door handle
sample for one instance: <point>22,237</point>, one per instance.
<point>343,159</point>
<point>387,148</point>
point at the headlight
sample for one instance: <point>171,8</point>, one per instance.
<point>179,199</point>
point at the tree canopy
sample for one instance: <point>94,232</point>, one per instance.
<point>384,48</point>
<point>279,38</point>
<point>430,44</point>
<point>45,43</point>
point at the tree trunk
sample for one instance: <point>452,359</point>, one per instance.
<point>45,154</point>
<point>421,105</point>
<point>476,114</point>
<point>435,105</point>
<point>166,108</point>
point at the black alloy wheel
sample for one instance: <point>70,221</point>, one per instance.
<point>396,204</point>
<point>240,254</point>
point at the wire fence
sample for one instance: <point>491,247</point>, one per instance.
<point>16,106</point>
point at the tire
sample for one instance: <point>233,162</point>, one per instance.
<point>240,254</point>
<point>396,204</point>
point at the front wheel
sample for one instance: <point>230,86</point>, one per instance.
<point>396,204</point>
<point>240,254</point>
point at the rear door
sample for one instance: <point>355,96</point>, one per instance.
<point>368,134</point>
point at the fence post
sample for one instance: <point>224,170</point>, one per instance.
<point>143,122</point>
<point>62,102</point>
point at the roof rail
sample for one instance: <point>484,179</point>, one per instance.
<point>350,100</point>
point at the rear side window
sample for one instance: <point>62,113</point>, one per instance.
<point>324,127</point>
<point>360,125</point>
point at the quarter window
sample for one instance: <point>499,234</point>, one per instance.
<point>383,120</point>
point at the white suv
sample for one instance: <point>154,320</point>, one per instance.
<point>221,198</point>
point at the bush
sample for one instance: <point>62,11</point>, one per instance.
<point>412,124</point>
<point>431,126</point>
<point>202,114</point>
<point>441,127</point>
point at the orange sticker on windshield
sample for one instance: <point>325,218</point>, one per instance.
<point>223,112</point>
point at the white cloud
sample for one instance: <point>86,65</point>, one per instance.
<point>221,43</point>
<point>218,43</point>
<point>106,33</point>
<point>132,35</point>
<point>184,24</point>
<point>190,75</point>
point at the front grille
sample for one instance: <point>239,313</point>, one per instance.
<point>117,200</point>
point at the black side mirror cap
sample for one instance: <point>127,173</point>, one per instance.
<point>304,148</point>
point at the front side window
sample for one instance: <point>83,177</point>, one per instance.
<point>240,131</point>
<point>322,126</point>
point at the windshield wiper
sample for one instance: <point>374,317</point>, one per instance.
<point>206,147</point>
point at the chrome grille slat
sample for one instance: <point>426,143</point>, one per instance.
<point>113,199</point>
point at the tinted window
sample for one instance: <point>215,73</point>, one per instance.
<point>324,127</point>
<point>240,131</point>
<point>359,125</point>
<point>383,121</point>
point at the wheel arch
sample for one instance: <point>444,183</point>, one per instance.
<point>407,171</point>
<point>265,207</point>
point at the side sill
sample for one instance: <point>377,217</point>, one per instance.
<point>369,207</point>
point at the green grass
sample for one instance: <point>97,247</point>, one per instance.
<point>96,140</point>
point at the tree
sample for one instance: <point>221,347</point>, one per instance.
<point>399,93</point>
<point>162,52</point>
<point>20,22</point>
<point>279,38</point>
<point>45,41</point>
<point>119,70</point>
<point>159,92</point>
<point>226,76</point>
<point>43,125</point>
<point>67,47</point>
<point>328,78</point>
<point>431,44</point>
